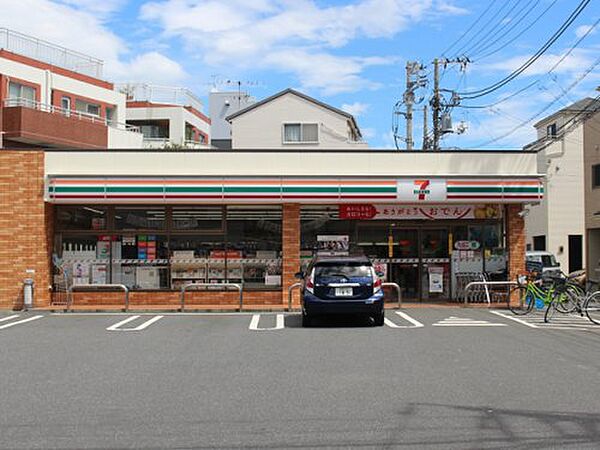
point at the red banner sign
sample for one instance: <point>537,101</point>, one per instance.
<point>357,212</point>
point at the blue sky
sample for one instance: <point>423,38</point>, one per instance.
<point>348,53</point>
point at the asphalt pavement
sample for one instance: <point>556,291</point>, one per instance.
<point>441,378</point>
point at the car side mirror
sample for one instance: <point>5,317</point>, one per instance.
<point>299,275</point>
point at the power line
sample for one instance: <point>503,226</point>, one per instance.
<point>517,36</point>
<point>502,22</point>
<point>545,108</point>
<point>470,28</point>
<point>559,62</point>
<point>488,90</point>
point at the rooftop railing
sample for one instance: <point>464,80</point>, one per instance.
<point>49,53</point>
<point>142,92</point>
<point>73,114</point>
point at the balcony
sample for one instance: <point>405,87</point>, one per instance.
<point>31,123</point>
<point>49,53</point>
<point>162,95</point>
<point>158,143</point>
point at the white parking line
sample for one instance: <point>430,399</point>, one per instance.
<point>516,319</point>
<point>12,324</point>
<point>415,323</point>
<point>279,323</point>
<point>146,324</point>
<point>454,321</point>
<point>4,319</point>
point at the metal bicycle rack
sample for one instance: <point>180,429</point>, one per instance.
<point>486,285</point>
<point>290,289</point>
<point>211,286</point>
<point>392,285</point>
<point>398,291</point>
<point>93,287</point>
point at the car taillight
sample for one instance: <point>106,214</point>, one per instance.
<point>376,282</point>
<point>310,283</point>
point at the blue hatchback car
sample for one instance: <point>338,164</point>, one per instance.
<point>336,285</point>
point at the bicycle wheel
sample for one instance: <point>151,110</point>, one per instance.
<point>592,307</point>
<point>525,302</point>
<point>550,311</point>
<point>566,300</point>
<point>571,298</point>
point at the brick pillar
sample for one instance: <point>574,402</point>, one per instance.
<point>516,239</point>
<point>291,250</point>
<point>24,228</point>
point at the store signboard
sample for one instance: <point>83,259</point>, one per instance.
<point>333,245</point>
<point>412,212</point>
<point>421,190</point>
<point>436,279</point>
<point>466,245</point>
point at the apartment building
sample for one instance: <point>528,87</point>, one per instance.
<point>54,97</point>
<point>293,120</point>
<point>567,221</point>
<point>167,116</point>
<point>221,106</point>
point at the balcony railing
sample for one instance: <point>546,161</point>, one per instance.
<point>141,92</point>
<point>166,143</point>
<point>49,53</point>
<point>75,115</point>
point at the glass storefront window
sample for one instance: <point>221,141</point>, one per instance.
<point>81,218</point>
<point>189,218</point>
<point>434,243</point>
<point>140,261</point>
<point>152,218</point>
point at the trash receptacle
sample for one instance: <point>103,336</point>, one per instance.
<point>28,293</point>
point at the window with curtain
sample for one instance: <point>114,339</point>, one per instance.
<point>20,91</point>
<point>296,132</point>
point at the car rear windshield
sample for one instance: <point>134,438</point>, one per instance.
<point>548,261</point>
<point>342,270</point>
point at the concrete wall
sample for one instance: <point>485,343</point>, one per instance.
<point>263,127</point>
<point>121,138</point>
<point>223,104</point>
<point>369,163</point>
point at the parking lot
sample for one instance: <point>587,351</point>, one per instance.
<point>429,378</point>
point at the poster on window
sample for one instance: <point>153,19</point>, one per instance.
<point>333,245</point>
<point>436,279</point>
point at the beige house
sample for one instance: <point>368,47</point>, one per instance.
<point>295,121</point>
<point>567,221</point>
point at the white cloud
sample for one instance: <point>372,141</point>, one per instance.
<point>297,37</point>
<point>356,108</point>
<point>577,61</point>
<point>82,28</point>
<point>583,29</point>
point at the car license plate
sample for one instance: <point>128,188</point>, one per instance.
<point>343,292</point>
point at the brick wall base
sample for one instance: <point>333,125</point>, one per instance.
<point>25,228</point>
<point>516,241</point>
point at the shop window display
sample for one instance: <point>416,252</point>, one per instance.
<point>140,218</point>
<point>82,218</point>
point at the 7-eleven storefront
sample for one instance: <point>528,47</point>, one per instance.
<point>155,226</point>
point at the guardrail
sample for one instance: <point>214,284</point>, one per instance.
<point>398,291</point>
<point>290,289</point>
<point>209,286</point>
<point>486,285</point>
<point>124,288</point>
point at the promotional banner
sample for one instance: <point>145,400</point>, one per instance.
<point>407,212</point>
<point>334,245</point>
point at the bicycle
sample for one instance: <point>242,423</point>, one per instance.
<point>530,289</point>
<point>587,302</point>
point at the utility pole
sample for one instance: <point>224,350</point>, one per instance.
<point>409,99</point>
<point>436,104</point>
<point>425,129</point>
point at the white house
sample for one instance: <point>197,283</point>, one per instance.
<point>567,222</point>
<point>290,119</point>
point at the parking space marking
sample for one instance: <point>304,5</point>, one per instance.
<point>415,323</point>
<point>279,323</point>
<point>454,321</point>
<point>558,322</point>
<point>4,319</point>
<point>144,325</point>
<point>18,322</point>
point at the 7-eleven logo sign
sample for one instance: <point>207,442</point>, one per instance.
<point>421,189</point>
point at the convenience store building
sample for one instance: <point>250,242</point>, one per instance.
<point>154,220</point>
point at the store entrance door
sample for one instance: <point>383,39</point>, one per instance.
<point>404,261</point>
<point>434,264</point>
